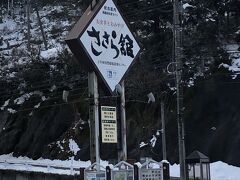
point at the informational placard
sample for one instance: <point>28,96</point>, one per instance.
<point>110,44</point>
<point>153,174</point>
<point>109,124</point>
<point>122,174</point>
<point>95,176</point>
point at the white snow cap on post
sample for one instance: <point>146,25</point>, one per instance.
<point>138,164</point>
<point>111,166</point>
<point>165,161</point>
<point>119,88</point>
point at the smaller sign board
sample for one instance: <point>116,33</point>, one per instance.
<point>109,124</point>
<point>123,175</point>
<point>95,176</point>
<point>150,174</point>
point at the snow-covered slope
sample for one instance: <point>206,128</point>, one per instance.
<point>14,38</point>
<point>17,59</point>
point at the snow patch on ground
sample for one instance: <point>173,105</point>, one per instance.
<point>5,104</point>
<point>8,24</point>
<point>50,53</point>
<point>73,146</point>
<point>68,167</point>
<point>190,82</point>
<point>234,55</point>
<point>20,100</point>
<point>11,111</point>
<point>219,171</point>
<point>23,98</point>
<point>186,5</point>
<point>223,171</point>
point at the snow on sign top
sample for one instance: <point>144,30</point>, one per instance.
<point>109,44</point>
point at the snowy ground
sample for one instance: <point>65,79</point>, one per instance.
<point>219,170</point>
<point>68,167</point>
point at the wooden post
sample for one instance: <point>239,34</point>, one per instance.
<point>94,119</point>
<point>122,154</point>
<point>82,173</point>
<point>163,132</point>
<point>177,33</point>
<point>135,172</point>
<point>108,173</point>
<point>165,171</point>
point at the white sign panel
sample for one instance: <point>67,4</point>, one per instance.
<point>110,44</point>
<point>95,176</point>
<point>109,124</point>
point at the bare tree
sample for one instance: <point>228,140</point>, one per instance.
<point>41,27</point>
<point>8,10</point>
<point>28,24</point>
<point>12,9</point>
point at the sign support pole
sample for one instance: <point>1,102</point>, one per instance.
<point>94,119</point>
<point>163,132</point>
<point>122,154</point>
<point>179,89</point>
<point>106,63</point>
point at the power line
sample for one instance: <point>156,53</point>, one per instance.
<point>86,99</point>
<point>64,103</point>
<point>74,89</point>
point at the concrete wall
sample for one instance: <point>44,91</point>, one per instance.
<point>23,175</point>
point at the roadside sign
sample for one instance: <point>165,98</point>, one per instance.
<point>109,124</point>
<point>104,44</point>
<point>123,174</point>
<point>95,176</point>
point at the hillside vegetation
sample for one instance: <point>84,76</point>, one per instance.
<point>37,67</point>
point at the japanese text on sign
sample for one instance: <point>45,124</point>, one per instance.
<point>110,44</point>
<point>109,124</point>
<point>102,40</point>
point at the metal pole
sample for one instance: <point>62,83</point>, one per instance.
<point>94,119</point>
<point>122,154</point>
<point>163,132</point>
<point>179,91</point>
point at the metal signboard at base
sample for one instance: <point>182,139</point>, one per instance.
<point>109,124</point>
<point>150,174</point>
<point>95,176</point>
<point>123,175</point>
